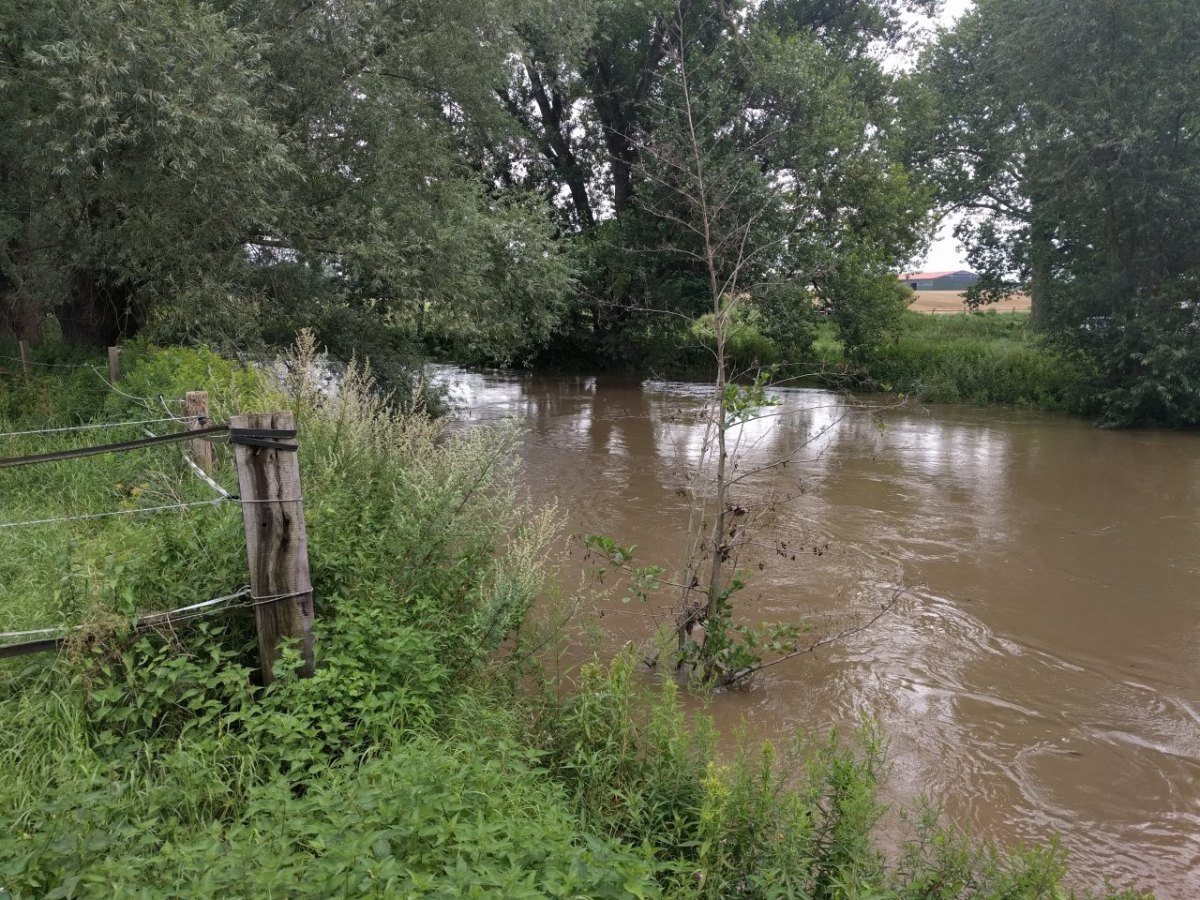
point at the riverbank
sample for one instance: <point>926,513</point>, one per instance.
<point>980,358</point>
<point>431,755</point>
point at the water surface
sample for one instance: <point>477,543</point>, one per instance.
<point>1043,674</point>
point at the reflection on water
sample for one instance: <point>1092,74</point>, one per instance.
<point>1044,676</point>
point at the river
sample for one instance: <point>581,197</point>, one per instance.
<point>1041,674</point>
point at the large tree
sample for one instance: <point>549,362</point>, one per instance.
<point>814,117</point>
<point>1070,132</point>
<point>132,158</point>
<point>222,168</point>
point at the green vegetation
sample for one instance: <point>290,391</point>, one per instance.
<point>456,179</point>
<point>430,755</point>
<point>1067,134</point>
<point>979,358</point>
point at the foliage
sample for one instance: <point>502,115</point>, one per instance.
<point>244,800</point>
<point>792,98</point>
<point>976,358</point>
<point>314,168</point>
<point>137,183</point>
<point>466,180</point>
<point>1068,131</point>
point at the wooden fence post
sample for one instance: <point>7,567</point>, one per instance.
<point>114,365</point>
<point>196,409</point>
<point>276,540</point>
<point>26,362</point>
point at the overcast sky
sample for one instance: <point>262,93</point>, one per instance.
<point>945,253</point>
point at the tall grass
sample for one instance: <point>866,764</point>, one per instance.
<point>975,358</point>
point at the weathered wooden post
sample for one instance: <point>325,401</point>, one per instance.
<point>196,410</point>
<point>114,365</point>
<point>264,448</point>
<point>26,362</point>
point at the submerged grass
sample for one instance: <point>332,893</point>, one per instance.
<point>426,757</point>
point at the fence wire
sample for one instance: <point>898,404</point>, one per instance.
<point>95,426</point>
<point>47,639</point>
<point>141,510</point>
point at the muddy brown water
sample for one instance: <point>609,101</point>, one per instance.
<point>1043,675</point>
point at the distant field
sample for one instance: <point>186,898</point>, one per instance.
<point>952,302</point>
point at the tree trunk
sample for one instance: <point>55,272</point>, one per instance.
<point>1039,277</point>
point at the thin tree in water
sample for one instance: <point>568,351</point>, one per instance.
<point>732,222</point>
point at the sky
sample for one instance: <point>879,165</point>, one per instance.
<point>945,253</point>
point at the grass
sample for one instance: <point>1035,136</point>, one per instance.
<point>979,358</point>
<point>428,756</point>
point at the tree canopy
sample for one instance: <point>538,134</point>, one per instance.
<point>462,173</point>
<point>1070,134</point>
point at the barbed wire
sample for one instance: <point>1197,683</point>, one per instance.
<point>142,510</point>
<point>93,426</point>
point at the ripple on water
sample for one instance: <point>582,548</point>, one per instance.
<point>1042,674</point>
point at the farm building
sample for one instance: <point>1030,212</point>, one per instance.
<point>958,280</point>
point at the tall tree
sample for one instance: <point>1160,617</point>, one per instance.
<point>818,118</point>
<point>132,157</point>
<point>1071,132</point>
<point>220,168</point>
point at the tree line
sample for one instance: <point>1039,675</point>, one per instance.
<point>498,181</point>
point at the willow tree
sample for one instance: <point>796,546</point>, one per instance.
<point>132,156</point>
<point>220,169</point>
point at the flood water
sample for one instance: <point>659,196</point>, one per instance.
<point>1042,674</point>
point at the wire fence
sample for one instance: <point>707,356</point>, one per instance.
<point>95,426</point>
<point>46,365</point>
<point>144,401</point>
<point>42,639</point>
<point>262,548</point>
<point>136,511</point>
<point>46,639</point>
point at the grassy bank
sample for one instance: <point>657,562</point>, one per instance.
<point>429,756</point>
<point>975,358</point>
<point>981,358</point>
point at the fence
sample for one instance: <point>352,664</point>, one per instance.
<point>268,470</point>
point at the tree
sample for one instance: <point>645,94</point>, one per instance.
<point>132,156</point>
<point>1071,132</point>
<point>392,108</point>
<point>737,218</point>
<point>213,171</point>
<point>584,91</point>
